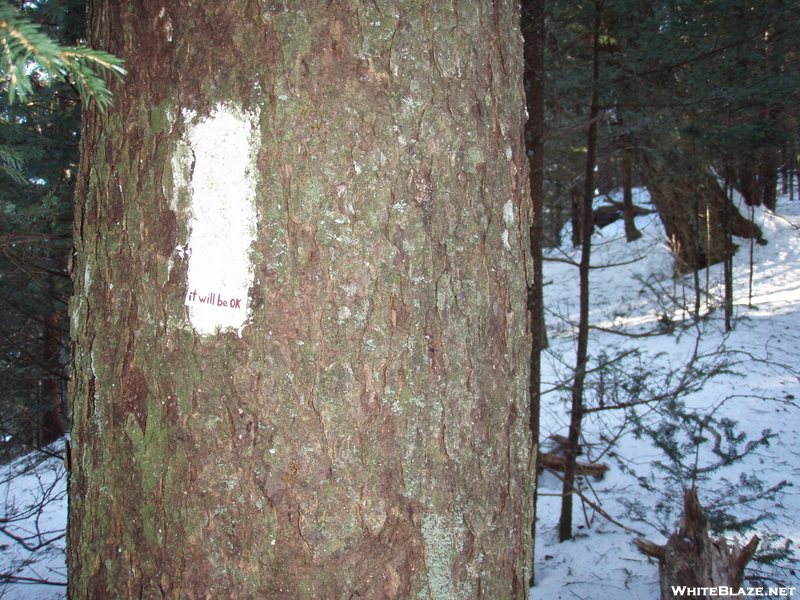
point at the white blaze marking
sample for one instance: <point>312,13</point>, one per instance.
<point>223,218</point>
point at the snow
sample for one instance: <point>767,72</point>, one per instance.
<point>601,562</point>
<point>34,497</point>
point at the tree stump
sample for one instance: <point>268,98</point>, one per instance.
<point>692,559</point>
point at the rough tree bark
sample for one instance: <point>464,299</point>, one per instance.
<point>300,327</point>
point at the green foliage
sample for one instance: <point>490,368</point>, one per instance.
<point>698,449</point>
<point>29,58</point>
<point>774,560</point>
<point>717,78</point>
<point>680,434</point>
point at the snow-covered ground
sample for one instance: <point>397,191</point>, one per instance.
<point>639,295</point>
<point>761,392</point>
<point>32,527</point>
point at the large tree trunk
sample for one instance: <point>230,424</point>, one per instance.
<point>696,213</point>
<point>300,314</point>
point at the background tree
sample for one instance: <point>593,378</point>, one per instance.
<point>533,31</point>
<point>643,93</point>
<point>682,96</point>
<point>300,316</point>
<point>39,124</point>
<point>586,229</point>
<point>41,64</point>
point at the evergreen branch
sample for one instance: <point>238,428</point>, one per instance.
<point>732,501</point>
<point>696,58</point>
<point>26,49</point>
<point>691,381</point>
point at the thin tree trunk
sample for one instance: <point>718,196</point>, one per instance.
<point>768,178</point>
<point>631,232</point>
<point>727,265</point>
<point>533,15</point>
<point>582,354</point>
<point>52,418</point>
<point>300,319</point>
<point>792,168</point>
<point>576,214</point>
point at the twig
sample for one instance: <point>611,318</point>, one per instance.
<point>787,221</point>
<point>653,333</point>
<point>8,578</point>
